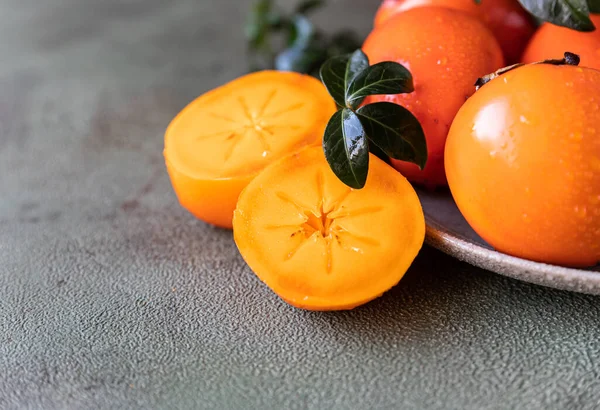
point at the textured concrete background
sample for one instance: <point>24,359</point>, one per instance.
<point>111,296</point>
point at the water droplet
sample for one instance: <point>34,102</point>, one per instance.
<point>576,136</point>
<point>442,61</point>
<point>569,83</point>
<point>265,153</point>
<point>580,211</point>
<point>493,154</point>
<point>524,119</point>
<point>504,145</point>
<point>505,80</point>
<point>579,70</point>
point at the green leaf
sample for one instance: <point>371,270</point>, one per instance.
<point>346,148</point>
<point>307,6</point>
<point>378,152</point>
<point>574,14</point>
<point>333,75</point>
<point>300,59</point>
<point>594,6</point>
<point>395,130</point>
<point>382,78</point>
<point>257,25</point>
<point>338,73</point>
<point>357,63</point>
<point>302,32</point>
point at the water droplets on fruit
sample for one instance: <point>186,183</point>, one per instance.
<point>524,120</point>
<point>580,211</point>
<point>442,61</point>
<point>576,136</point>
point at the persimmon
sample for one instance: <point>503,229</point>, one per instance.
<point>552,41</point>
<point>221,140</point>
<point>511,24</point>
<point>321,245</point>
<point>523,163</point>
<point>446,51</point>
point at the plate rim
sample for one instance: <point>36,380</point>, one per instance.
<point>557,277</point>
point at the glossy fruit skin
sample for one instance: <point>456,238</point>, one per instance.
<point>445,61</point>
<point>511,24</point>
<point>523,164</point>
<point>217,144</point>
<point>552,41</point>
<point>320,245</point>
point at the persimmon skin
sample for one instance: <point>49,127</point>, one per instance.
<point>221,140</point>
<point>523,164</point>
<point>320,245</point>
<point>446,51</point>
<point>511,24</point>
<point>552,41</point>
<point>211,200</point>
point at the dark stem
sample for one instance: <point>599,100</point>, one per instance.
<point>569,59</point>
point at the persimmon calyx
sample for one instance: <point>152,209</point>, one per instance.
<point>569,59</point>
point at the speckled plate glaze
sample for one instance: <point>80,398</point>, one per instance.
<point>448,231</point>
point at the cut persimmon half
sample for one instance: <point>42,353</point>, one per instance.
<point>221,140</point>
<point>321,245</point>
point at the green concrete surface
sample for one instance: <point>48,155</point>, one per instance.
<point>112,296</point>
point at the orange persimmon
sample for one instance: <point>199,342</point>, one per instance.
<point>321,245</point>
<point>221,140</point>
<point>507,19</point>
<point>552,41</point>
<point>446,51</point>
<point>523,163</point>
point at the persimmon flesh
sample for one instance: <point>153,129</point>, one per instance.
<point>321,245</point>
<point>221,140</point>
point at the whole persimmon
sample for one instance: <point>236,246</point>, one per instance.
<point>446,51</point>
<point>523,163</point>
<point>512,25</point>
<point>221,140</point>
<point>552,41</point>
<point>321,245</point>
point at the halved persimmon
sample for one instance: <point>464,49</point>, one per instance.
<point>321,245</point>
<point>221,140</point>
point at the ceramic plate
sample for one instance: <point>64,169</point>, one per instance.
<point>448,231</point>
